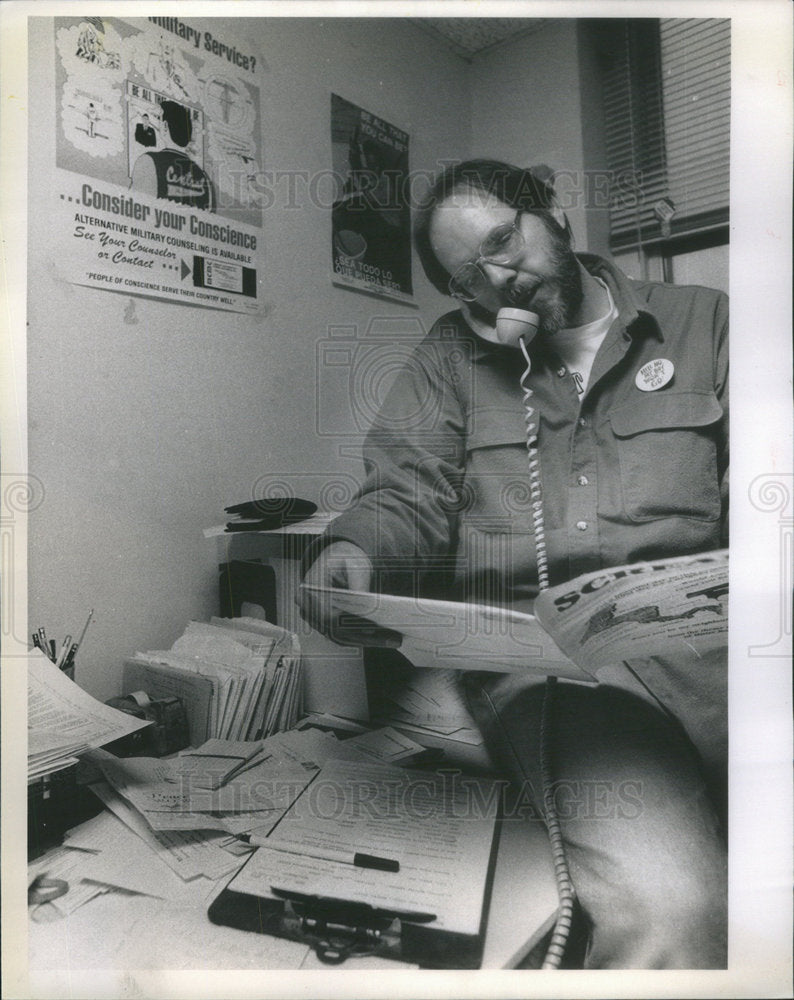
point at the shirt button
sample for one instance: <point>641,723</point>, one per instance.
<point>561,372</point>
<point>583,421</point>
<point>581,525</point>
<point>582,480</point>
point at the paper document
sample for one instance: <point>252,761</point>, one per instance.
<point>440,828</point>
<point>386,745</point>
<point>63,720</point>
<point>72,866</point>
<point>123,860</point>
<point>213,763</point>
<point>188,853</point>
<point>451,634</point>
<point>427,701</point>
<point>668,607</point>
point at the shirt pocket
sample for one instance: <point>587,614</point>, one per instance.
<point>667,453</point>
<point>495,491</point>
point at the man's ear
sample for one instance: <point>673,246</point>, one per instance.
<point>560,218</point>
<point>545,174</point>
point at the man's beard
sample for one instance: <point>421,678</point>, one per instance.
<point>557,299</point>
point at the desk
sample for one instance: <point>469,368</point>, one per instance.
<point>117,933</point>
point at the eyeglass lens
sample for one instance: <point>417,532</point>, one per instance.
<point>498,247</point>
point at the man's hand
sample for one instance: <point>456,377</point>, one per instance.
<point>346,567</point>
<point>343,565</point>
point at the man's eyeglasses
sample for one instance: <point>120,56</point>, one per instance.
<point>500,246</point>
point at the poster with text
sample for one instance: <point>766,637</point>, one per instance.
<point>158,136</point>
<point>371,217</point>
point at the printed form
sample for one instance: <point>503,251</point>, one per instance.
<point>440,828</point>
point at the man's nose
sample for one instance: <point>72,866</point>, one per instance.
<point>498,275</point>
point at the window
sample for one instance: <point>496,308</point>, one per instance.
<point>666,97</point>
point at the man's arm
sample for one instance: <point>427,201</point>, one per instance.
<point>403,517</point>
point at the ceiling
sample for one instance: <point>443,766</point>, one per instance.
<point>469,35</point>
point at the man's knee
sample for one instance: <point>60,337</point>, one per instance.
<point>680,923</point>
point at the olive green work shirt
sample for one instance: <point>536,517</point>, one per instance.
<point>627,473</point>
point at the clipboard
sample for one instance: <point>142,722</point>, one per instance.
<point>337,929</point>
<point>342,914</point>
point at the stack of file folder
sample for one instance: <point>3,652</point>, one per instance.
<point>239,678</point>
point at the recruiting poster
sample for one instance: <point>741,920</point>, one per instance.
<point>157,156</point>
<point>371,246</point>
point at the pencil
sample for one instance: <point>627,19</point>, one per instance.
<point>67,663</point>
<point>85,627</point>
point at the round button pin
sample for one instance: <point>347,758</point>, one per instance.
<point>654,375</point>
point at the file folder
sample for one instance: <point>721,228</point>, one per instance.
<point>161,681</point>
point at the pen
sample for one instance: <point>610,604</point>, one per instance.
<point>60,663</point>
<point>44,646</point>
<point>85,627</point>
<point>357,858</point>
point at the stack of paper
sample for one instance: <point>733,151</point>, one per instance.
<point>64,721</point>
<point>254,669</point>
<point>178,796</point>
<point>110,852</point>
<point>171,831</point>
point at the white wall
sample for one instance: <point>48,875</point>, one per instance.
<point>535,100</point>
<point>147,418</point>
<point>525,103</point>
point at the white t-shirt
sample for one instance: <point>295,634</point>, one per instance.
<point>578,345</point>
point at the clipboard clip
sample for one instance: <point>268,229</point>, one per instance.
<point>336,935</point>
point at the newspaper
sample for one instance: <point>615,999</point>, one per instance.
<point>667,607</point>
<point>670,607</point>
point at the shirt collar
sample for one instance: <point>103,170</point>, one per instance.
<point>631,307</point>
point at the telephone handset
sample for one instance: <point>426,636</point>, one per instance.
<point>516,325</point>
<point>507,327</point>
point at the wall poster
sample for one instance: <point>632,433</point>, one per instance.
<point>158,136</point>
<point>371,217</point>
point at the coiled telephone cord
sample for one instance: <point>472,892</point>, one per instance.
<point>565,890</point>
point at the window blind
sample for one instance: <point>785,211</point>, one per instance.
<point>666,96</point>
